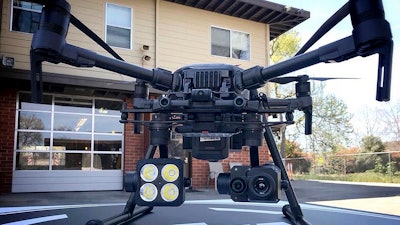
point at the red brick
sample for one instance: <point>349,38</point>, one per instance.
<point>7,123</point>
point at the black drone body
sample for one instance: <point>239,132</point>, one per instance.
<point>208,101</point>
<point>217,102</point>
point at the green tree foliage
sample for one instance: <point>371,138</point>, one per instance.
<point>391,168</point>
<point>333,164</point>
<point>331,126</point>
<point>293,149</point>
<point>379,168</point>
<point>365,162</point>
<point>299,164</point>
<point>331,123</point>
<point>284,46</point>
<point>371,144</point>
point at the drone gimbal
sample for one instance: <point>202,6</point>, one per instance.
<point>218,103</point>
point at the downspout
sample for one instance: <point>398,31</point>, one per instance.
<point>1,10</point>
<point>267,88</point>
<point>157,10</point>
<point>267,44</point>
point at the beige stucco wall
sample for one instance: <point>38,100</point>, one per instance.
<point>91,13</point>
<point>184,37</point>
<point>177,35</point>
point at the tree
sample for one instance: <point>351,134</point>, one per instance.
<point>284,46</point>
<point>390,116</point>
<point>293,149</point>
<point>299,163</point>
<point>30,122</point>
<point>368,122</point>
<point>331,125</point>
<point>370,144</point>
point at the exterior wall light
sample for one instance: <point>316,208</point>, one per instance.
<point>146,58</point>
<point>7,61</point>
<point>145,48</point>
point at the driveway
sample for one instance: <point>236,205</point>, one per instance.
<point>371,197</point>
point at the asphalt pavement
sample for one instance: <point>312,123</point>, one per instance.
<point>371,197</point>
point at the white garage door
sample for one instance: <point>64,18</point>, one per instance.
<point>68,143</point>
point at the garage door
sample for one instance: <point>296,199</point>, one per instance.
<point>68,143</point>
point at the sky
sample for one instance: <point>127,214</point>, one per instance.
<point>358,93</point>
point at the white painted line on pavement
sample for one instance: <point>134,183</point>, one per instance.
<point>231,202</point>
<point>39,220</point>
<point>16,210</point>
<point>191,224</point>
<point>303,206</point>
<point>358,183</point>
<point>276,223</point>
<point>246,211</point>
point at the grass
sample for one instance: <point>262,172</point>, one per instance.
<point>355,177</point>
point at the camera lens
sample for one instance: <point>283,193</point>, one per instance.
<point>238,185</point>
<point>223,183</point>
<point>262,186</point>
<point>164,102</point>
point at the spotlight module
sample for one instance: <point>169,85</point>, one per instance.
<point>160,182</point>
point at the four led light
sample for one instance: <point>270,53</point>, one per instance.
<point>169,192</point>
<point>170,172</point>
<point>148,192</point>
<point>160,182</point>
<point>148,172</point>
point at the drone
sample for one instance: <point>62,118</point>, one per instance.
<point>219,103</point>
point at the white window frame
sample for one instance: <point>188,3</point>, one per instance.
<point>51,131</point>
<point>230,42</point>
<point>20,8</point>
<point>130,28</point>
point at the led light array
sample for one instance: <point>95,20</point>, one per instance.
<point>160,182</point>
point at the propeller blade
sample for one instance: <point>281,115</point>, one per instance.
<point>304,78</point>
<point>332,78</point>
<point>288,79</point>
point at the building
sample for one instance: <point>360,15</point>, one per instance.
<point>73,140</point>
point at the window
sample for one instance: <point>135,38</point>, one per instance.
<point>118,26</point>
<point>25,16</point>
<point>231,44</point>
<point>68,133</point>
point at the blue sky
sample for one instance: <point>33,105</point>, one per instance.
<point>356,93</point>
<point>359,94</point>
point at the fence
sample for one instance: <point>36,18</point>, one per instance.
<point>328,163</point>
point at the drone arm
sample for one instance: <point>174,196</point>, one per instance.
<point>371,35</point>
<point>36,78</point>
<point>338,51</point>
<point>307,120</point>
<point>384,73</point>
<point>80,57</point>
<point>289,105</point>
<point>49,44</point>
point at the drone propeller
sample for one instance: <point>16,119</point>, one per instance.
<point>303,91</point>
<point>304,78</point>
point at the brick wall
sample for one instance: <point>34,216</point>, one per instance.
<point>7,128</point>
<point>135,144</point>
<point>201,170</point>
<point>136,147</point>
